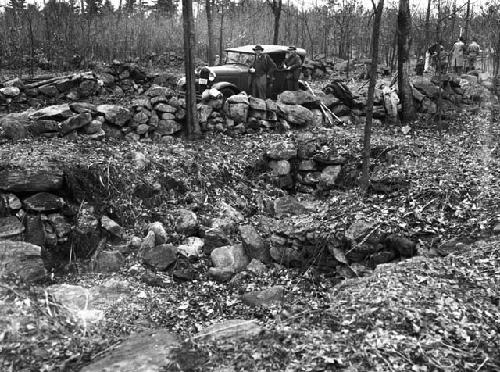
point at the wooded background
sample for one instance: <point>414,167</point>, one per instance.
<point>69,34</point>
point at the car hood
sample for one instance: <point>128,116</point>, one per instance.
<point>229,69</point>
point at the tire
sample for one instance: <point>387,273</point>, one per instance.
<point>227,92</point>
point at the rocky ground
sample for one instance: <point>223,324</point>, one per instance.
<point>339,290</point>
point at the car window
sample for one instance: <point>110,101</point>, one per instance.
<point>240,58</point>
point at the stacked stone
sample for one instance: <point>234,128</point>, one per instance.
<point>16,94</point>
<point>120,78</point>
<point>310,163</point>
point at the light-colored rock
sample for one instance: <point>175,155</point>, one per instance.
<point>10,91</point>
<point>192,247</point>
<point>233,329</point>
<point>165,108</point>
<point>75,122</point>
<point>149,242</point>
<point>297,97</point>
<point>160,233</point>
<point>256,267</point>
<point>186,222</point>
<point>54,112</point>
<point>329,176</point>
<point>43,202</point>
<point>111,226</point>
<point>227,261</point>
<point>267,297</point>
<point>296,115</point>
<point>280,167</point>
<point>114,114</point>
<point>288,205</point>
<point>11,201</point>
<point>151,351</point>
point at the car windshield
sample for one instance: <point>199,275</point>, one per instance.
<point>239,58</point>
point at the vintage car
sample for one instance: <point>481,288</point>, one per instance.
<point>233,77</point>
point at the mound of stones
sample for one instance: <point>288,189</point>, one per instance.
<point>308,162</point>
<point>118,78</point>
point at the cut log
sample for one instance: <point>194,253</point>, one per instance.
<point>31,177</point>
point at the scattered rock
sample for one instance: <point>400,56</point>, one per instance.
<point>267,297</point>
<point>256,267</point>
<point>21,258</point>
<point>255,246</point>
<point>227,260</point>
<point>186,222</point>
<point>160,257</point>
<point>159,230</point>
<point>111,226</point>
<point>192,247</point>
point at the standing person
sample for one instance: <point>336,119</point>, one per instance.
<point>293,65</point>
<point>457,57</point>
<point>430,56</point>
<point>262,67</point>
<point>473,51</point>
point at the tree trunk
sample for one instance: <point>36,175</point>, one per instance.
<point>467,22</point>
<point>276,8</point>
<point>211,35</point>
<point>365,177</point>
<point>428,25</point>
<point>221,35</point>
<point>405,92</point>
<point>192,128</point>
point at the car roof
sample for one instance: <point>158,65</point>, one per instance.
<point>267,49</point>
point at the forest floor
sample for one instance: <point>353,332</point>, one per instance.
<point>428,313</point>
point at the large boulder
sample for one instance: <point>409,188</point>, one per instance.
<point>296,114</point>
<point>255,246</point>
<point>21,258</point>
<point>227,261</point>
<point>115,114</point>
<point>297,97</point>
<point>55,112</point>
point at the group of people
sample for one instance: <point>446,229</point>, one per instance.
<point>263,67</point>
<point>463,57</point>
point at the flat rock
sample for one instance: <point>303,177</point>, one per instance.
<point>43,202</point>
<point>21,258</point>
<point>266,297</point>
<point>10,226</point>
<point>115,114</point>
<point>157,90</point>
<point>81,107</point>
<point>144,352</point>
<point>233,329</point>
<point>56,112</point>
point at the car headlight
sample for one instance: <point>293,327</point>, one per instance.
<point>181,81</point>
<point>212,75</point>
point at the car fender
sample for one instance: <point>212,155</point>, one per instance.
<point>225,84</point>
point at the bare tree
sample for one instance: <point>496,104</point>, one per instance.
<point>365,176</point>
<point>276,6</point>
<point>405,91</point>
<point>209,11</point>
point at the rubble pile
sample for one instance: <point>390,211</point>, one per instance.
<point>310,162</point>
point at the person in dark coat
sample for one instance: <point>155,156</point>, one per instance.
<point>261,69</point>
<point>293,65</point>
